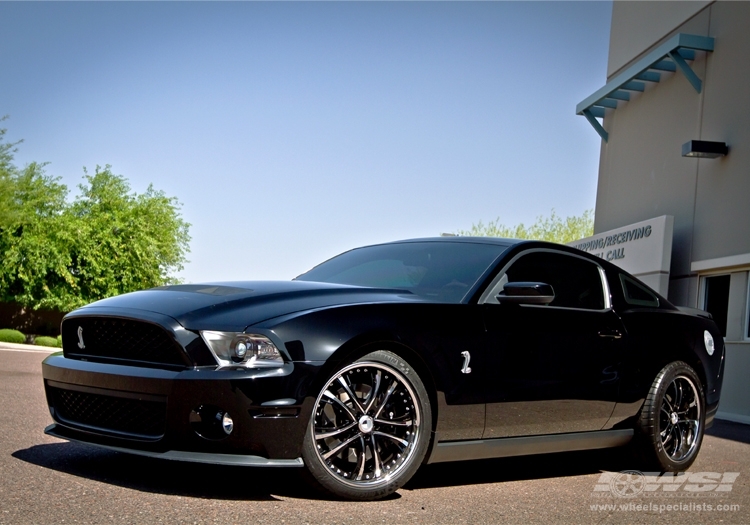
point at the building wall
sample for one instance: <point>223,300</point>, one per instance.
<point>723,189</point>
<point>638,24</point>
<point>643,175</point>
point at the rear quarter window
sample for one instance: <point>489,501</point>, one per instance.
<point>637,294</point>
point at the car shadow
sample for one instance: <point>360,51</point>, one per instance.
<point>548,465</point>
<point>521,468</point>
<point>730,430</point>
<point>265,484</point>
<point>168,477</point>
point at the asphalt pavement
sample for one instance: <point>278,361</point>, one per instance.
<point>46,480</point>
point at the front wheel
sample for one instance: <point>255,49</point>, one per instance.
<point>369,429</point>
<point>670,427</point>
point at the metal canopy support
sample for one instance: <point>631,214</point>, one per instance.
<point>595,123</point>
<point>669,56</point>
<point>686,70</point>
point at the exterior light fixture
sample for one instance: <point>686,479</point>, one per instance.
<point>705,149</point>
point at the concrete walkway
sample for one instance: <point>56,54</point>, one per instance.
<point>28,348</point>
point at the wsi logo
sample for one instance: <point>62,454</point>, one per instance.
<point>631,483</point>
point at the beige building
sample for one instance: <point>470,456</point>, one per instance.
<point>680,72</point>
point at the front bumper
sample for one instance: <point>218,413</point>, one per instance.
<point>152,411</point>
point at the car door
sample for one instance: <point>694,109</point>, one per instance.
<point>551,368</point>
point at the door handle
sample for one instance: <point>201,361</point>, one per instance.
<point>610,334</point>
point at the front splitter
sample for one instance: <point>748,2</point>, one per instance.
<point>193,457</point>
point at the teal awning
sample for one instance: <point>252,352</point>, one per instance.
<point>669,56</point>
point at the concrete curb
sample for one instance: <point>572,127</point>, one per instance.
<point>28,348</point>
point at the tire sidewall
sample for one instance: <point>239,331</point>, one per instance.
<point>328,482</point>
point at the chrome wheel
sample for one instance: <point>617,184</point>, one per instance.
<point>680,418</point>
<point>366,424</point>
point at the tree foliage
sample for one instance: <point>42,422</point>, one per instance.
<point>7,208</point>
<point>125,241</point>
<point>61,255</point>
<point>553,228</point>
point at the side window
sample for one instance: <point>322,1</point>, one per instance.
<point>636,294</point>
<point>577,283</point>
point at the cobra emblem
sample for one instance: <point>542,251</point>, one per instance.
<point>466,369</point>
<point>80,338</point>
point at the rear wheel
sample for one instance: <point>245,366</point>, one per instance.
<point>369,429</point>
<point>671,423</point>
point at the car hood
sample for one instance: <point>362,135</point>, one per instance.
<point>236,305</point>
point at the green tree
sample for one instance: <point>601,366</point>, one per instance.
<point>7,208</point>
<point>62,255</point>
<point>33,239</point>
<point>123,241</point>
<point>552,228</point>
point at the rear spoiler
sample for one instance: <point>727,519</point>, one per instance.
<point>695,311</point>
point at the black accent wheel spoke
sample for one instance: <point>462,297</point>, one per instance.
<point>679,418</point>
<point>678,395</point>
<point>323,433</point>
<point>374,392</point>
<point>376,457</point>
<point>666,433</point>
<point>333,399</point>
<point>352,396</point>
<point>398,440</point>
<point>405,423</point>
<point>388,393</point>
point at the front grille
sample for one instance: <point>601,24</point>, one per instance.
<point>134,417</point>
<point>120,339</point>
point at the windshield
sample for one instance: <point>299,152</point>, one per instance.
<point>443,271</point>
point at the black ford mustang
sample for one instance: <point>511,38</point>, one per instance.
<point>390,356</point>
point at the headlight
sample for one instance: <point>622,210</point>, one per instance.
<point>240,349</point>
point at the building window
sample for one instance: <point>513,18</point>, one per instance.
<point>716,299</point>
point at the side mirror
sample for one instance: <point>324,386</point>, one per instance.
<point>526,293</point>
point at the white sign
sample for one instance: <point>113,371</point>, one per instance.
<point>643,249</point>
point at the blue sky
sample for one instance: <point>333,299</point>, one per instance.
<point>293,131</point>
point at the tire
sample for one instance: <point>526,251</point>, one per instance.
<point>369,429</point>
<point>671,423</point>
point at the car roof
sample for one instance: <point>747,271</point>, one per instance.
<point>459,239</point>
